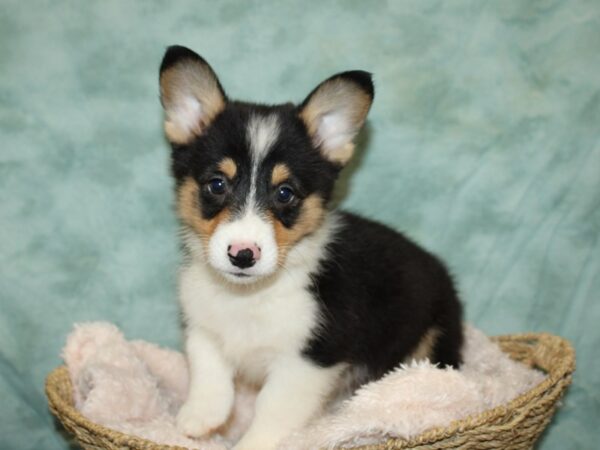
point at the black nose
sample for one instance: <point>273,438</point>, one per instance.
<point>243,259</point>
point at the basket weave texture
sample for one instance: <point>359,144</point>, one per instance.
<point>516,425</point>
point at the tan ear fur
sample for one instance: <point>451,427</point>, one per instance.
<point>191,97</point>
<point>334,113</point>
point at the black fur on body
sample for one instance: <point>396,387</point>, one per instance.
<point>379,294</point>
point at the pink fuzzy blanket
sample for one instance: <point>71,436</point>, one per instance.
<point>137,388</point>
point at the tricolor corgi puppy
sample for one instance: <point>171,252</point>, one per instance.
<point>275,288</point>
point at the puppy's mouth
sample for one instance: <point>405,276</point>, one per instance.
<point>240,277</point>
<point>240,274</point>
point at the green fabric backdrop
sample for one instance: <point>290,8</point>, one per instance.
<point>483,144</point>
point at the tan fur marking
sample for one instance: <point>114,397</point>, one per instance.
<point>343,154</point>
<point>188,207</point>
<point>425,346</point>
<point>328,97</point>
<point>228,167</point>
<point>189,79</point>
<point>176,134</point>
<point>280,174</point>
<point>310,218</point>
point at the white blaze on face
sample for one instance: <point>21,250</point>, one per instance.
<point>261,134</point>
<point>250,226</point>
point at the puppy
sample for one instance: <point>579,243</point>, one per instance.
<point>275,288</point>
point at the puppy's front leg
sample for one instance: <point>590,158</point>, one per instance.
<point>294,392</point>
<point>211,390</point>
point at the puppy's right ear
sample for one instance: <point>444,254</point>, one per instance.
<point>190,93</point>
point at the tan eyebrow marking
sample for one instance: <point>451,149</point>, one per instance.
<point>228,167</point>
<point>280,173</point>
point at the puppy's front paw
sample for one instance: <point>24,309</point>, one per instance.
<point>198,418</point>
<point>250,442</point>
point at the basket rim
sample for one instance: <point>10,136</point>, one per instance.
<point>58,403</point>
<point>561,371</point>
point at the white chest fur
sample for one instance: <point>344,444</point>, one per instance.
<point>253,325</point>
<point>250,326</point>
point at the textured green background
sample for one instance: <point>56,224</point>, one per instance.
<point>483,144</point>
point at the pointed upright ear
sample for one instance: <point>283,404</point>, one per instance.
<point>190,93</point>
<point>335,112</point>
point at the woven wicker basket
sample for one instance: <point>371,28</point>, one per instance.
<point>516,425</point>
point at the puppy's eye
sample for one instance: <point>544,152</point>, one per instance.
<point>217,186</point>
<point>285,194</point>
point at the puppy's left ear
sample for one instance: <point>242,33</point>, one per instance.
<point>190,93</point>
<point>335,112</point>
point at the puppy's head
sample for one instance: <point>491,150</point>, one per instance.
<point>253,180</point>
